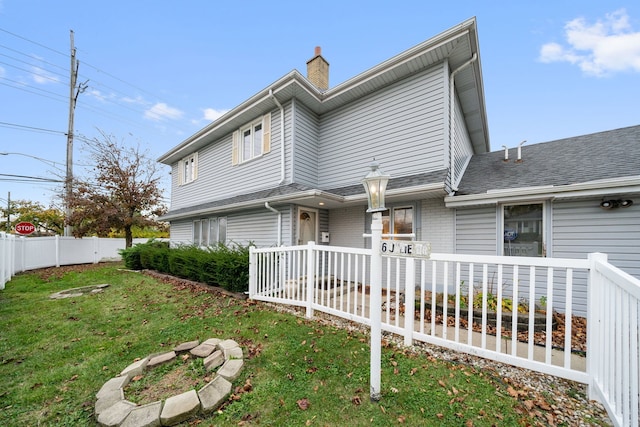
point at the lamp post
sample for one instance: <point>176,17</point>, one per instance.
<point>375,185</point>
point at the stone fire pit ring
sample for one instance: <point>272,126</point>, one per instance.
<point>113,410</point>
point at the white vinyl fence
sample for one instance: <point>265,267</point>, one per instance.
<point>536,300</point>
<point>18,253</point>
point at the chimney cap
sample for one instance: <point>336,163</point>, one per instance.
<point>317,51</point>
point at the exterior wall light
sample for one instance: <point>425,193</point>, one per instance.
<point>375,184</point>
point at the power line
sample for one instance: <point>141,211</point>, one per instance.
<point>31,128</point>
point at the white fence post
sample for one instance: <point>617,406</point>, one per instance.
<point>594,320</point>
<point>409,301</point>
<point>253,276</point>
<point>375,284</point>
<point>57,251</point>
<point>311,262</point>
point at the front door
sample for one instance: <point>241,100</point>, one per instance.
<point>307,226</point>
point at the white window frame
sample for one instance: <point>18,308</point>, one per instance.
<point>544,227</point>
<point>391,210</point>
<point>254,148</point>
<point>202,230</point>
<point>188,169</point>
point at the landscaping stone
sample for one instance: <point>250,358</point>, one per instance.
<point>136,368</point>
<point>108,399</point>
<point>233,353</point>
<point>231,369</point>
<point>114,416</point>
<point>214,394</point>
<point>186,346</point>
<point>213,341</point>
<point>113,384</point>
<point>144,416</point>
<point>112,408</point>
<point>180,408</point>
<point>161,358</point>
<point>214,360</point>
<point>203,350</point>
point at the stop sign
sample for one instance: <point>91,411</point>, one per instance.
<point>25,228</point>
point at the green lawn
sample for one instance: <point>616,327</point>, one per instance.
<point>56,354</point>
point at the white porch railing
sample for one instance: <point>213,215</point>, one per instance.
<point>525,311</point>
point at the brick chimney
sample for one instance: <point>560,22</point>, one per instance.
<point>318,70</point>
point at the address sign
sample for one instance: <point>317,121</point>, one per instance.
<point>405,248</point>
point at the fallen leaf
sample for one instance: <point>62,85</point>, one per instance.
<point>401,419</point>
<point>442,384</point>
<point>356,400</point>
<point>303,404</point>
<point>136,378</point>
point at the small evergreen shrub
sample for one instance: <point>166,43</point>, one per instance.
<point>224,266</point>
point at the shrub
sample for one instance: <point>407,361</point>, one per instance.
<point>224,266</point>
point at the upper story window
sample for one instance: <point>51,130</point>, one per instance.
<point>188,169</point>
<point>523,230</point>
<point>252,140</point>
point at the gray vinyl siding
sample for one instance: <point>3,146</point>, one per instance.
<point>437,225</point>
<point>181,233</point>
<point>347,227</point>
<point>462,149</point>
<point>581,227</point>
<point>401,126</point>
<point>258,227</point>
<point>305,146</point>
<point>475,230</point>
<point>218,178</point>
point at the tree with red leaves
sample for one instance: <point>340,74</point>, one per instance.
<point>121,192</point>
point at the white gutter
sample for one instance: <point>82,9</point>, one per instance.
<point>266,205</point>
<point>604,187</point>
<point>452,118</point>
<point>282,154</point>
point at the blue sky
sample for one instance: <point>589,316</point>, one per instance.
<point>158,71</point>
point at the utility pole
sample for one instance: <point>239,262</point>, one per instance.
<point>74,91</point>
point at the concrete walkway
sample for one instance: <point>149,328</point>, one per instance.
<point>113,410</point>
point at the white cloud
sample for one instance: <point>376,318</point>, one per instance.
<point>610,45</point>
<point>212,114</point>
<point>42,76</point>
<point>162,111</point>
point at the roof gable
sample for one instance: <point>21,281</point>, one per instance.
<point>456,45</point>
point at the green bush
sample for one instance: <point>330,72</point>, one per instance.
<point>224,266</point>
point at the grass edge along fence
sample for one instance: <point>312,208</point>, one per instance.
<point>221,265</point>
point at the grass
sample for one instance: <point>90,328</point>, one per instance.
<point>56,354</point>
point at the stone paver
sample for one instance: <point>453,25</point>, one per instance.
<point>144,416</point>
<point>161,358</point>
<point>180,408</point>
<point>108,399</point>
<point>136,368</point>
<point>214,360</point>
<point>203,350</point>
<point>186,346</point>
<point>231,369</point>
<point>114,416</point>
<point>115,383</point>
<point>112,408</point>
<point>214,394</point>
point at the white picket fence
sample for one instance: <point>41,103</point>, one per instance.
<point>19,253</point>
<point>531,296</point>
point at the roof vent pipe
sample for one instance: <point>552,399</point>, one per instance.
<point>520,151</point>
<point>506,153</point>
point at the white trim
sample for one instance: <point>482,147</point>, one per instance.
<point>584,189</point>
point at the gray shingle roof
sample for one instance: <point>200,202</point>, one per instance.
<point>602,155</point>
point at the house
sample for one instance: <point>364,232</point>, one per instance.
<point>285,167</point>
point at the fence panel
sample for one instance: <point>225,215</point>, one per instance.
<point>615,325</point>
<point>516,310</point>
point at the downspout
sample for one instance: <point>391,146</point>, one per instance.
<point>266,205</point>
<point>282,154</point>
<point>452,120</point>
